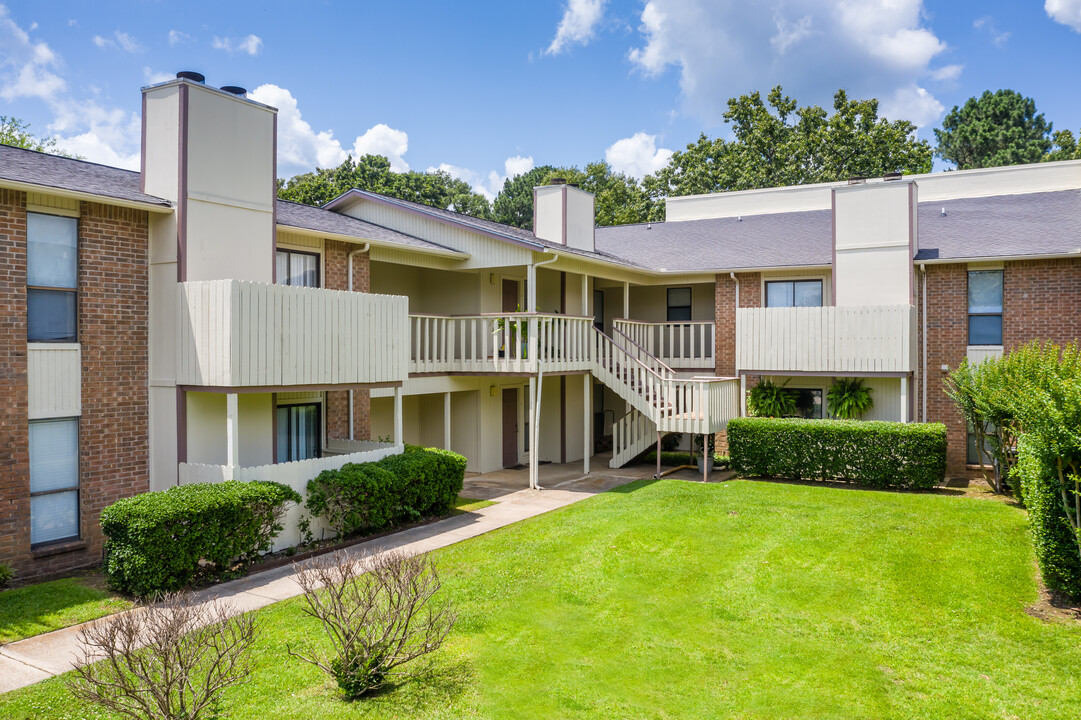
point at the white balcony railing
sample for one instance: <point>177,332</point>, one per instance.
<point>679,345</point>
<point>501,342</point>
<point>857,339</point>
<point>234,333</point>
<point>294,474</point>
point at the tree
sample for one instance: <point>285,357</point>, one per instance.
<point>372,172</point>
<point>618,199</point>
<point>16,133</point>
<point>776,143</point>
<point>514,203</point>
<point>1000,128</point>
<point>1064,146</point>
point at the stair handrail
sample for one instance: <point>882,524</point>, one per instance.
<point>662,369</point>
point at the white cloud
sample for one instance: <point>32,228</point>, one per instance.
<point>153,78</point>
<point>120,40</point>
<point>947,73</point>
<point>302,149</point>
<point>912,103</point>
<point>250,44</point>
<point>384,140</point>
<point>488,185</point>
<point>578,25</point>
<point>27,68</point>
<point>176,38</point>
<point>637,155</point>
<point>725,48</point>
<point>1067,12</point>
<point>987,24</point>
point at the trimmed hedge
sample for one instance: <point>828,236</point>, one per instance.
<point>369,497</point>
<point>872,453</point>
<point>159,541</point>
<point>1053,538</point>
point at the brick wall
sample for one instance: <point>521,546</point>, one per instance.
<point>14,441</point>
<point>1041,301</point>
<point>750,296</point>
<point>336,268</point>
<point>113,333</point>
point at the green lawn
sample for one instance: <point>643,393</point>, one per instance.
<point>48,606</point>
<point>744,599</point>
<point>464,505</point>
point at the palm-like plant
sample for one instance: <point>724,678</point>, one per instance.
<point>768,399</point>
<point>849,399</point>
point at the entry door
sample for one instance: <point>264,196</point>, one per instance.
<point>510,296</point>
<point>510,427</point>
<point>598,309</point>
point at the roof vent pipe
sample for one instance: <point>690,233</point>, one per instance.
<point>234,90</point>
<point>191,75</point>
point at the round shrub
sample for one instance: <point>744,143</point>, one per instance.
<point>356,497</point>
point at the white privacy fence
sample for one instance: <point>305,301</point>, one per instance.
<point>294,474</point>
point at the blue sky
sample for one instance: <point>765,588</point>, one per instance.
<point>487,89</point>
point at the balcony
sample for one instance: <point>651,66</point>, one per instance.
<point>511,343</point>
<point>839,340</point>
<point>233,333</point>
<point>679,345</point>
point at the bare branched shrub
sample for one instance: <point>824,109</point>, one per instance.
<point>379,612</point>
<point>168,660</point>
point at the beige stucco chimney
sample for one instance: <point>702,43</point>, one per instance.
<point>564,214</point>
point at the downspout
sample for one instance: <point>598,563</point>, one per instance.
<point>923,366</point>
<point>362,249</point>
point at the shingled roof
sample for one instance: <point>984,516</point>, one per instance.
<point>52,171</point>
<point>307,217</point>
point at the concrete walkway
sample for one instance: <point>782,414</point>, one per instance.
<point>35,659</point>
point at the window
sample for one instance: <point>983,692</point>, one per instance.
<point>679,304</point>
<point>973,455</point>
<point>297,268</point>
<point>51,278</point>
<point>299,436</point>
<point>794,293</point>
<point>808,403</point>
<point>985,307</point>
<point>54,480</point>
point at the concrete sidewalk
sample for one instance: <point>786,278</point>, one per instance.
<point>35,659</point>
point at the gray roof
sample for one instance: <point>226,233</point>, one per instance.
<point>313,218</point>
<point>756,241</point>
<point>1046,223</point>
<point>61,173</point>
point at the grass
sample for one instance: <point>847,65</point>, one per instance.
<point>47,606</point>
<point>743,599</point>
<point>464,505</point>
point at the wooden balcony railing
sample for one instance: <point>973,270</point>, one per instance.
<point>857,339</point>
<point>234,333</point>
<point>679,345</point>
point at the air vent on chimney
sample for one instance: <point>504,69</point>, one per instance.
<point>857,180</point>
<point>191,75</point>
<point>558,181</point>
<point>234,90</point>
<point>895,175</point>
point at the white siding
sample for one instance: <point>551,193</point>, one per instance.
<point>54,380</point>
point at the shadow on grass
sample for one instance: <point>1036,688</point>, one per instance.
<point>633,486</point>
<point>841,485</point>
<point>435,683</point>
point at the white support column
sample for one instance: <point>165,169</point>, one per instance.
<point>585,294</point>
<point>743,396</point>
<point>587,421</point>
<point>627,300</point>
<point>232,430</point>
<point>398,432</point>
<point>533,452</point>
<point>446,421</point>
<point>904,399</point>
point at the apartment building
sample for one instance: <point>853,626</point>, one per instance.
<point>179,324</point>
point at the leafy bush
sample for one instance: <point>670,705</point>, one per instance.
<point>848,399</point>
<point>768,399</point>
<point>875,454</point>
<point>431,479</point>
<point>357,496</point>
<point>1053,537</point>
<point>159,541</point>
<point>6,575</point>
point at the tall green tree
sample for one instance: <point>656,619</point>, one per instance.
<point>618,199</point>
<point>1000,128</point>
<point>16,133</point>
<point>1064,146</point>
<point>514,203</point>
<point>777,142</point>
<point>372,172</point>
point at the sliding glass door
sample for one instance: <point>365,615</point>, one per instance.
<point>299,436</point>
